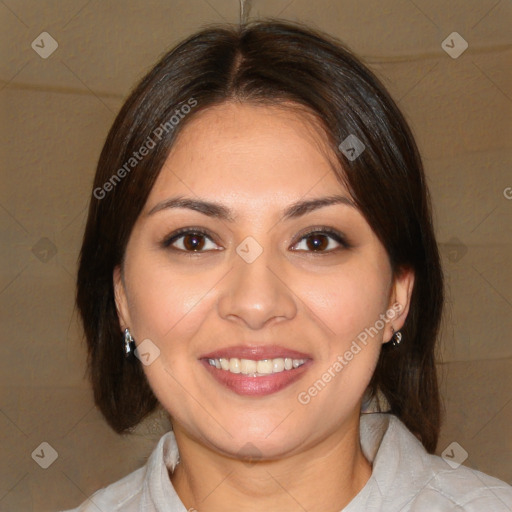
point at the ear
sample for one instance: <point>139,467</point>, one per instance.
<point>399,301</point>
<point>120,298</point>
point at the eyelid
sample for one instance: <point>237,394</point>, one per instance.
<point>191,230</point>
<point>336,235</point>
<point>332,233</point>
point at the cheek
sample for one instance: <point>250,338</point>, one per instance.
<point>165,304</point>
<point>170,307</point>
<point>345,308</point>
<point>347,302</point>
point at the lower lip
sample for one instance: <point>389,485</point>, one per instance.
<point>256,386</point>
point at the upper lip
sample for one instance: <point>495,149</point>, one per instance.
<point>257,353</point>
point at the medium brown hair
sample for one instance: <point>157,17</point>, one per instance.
<point>267,62</point>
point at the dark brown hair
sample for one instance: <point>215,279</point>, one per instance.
<point>267,62</point>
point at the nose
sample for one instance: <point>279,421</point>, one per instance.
<point>256,294</point>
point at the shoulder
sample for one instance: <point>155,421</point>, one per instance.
<point>144,488</point>
<point>122,495</point>
<point>462,489</point>
<point>412,480</point>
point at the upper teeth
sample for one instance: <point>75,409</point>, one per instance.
<point>256,368</point>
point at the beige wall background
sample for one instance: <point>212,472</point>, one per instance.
<point>55,115</point>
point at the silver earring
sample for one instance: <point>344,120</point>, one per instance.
<point>129,343</point>
<point>396,338</point>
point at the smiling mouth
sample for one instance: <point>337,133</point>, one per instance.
<point>263,375</point>
<point>256,368</point>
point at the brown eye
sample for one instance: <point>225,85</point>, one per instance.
<point>323,240</point>
<point>193,242</point>
<point>317,242</point>
<point>189,240</point>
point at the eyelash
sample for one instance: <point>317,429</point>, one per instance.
<point>330,233</point>
<point>319,230</point>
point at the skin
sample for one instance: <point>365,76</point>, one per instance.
<point>257,161</point>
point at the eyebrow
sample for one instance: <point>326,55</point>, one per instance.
<point>216,210</point>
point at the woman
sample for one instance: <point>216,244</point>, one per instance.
<point>260,246</point>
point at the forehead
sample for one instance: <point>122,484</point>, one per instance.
<point>250,150</point>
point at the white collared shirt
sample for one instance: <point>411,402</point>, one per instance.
<point>405,478</point>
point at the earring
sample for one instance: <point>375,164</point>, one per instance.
<point>396,338</point>
<point>129,343</point>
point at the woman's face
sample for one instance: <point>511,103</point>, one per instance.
<point>264,264</point>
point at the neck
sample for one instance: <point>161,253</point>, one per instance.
<point>325,477</point>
